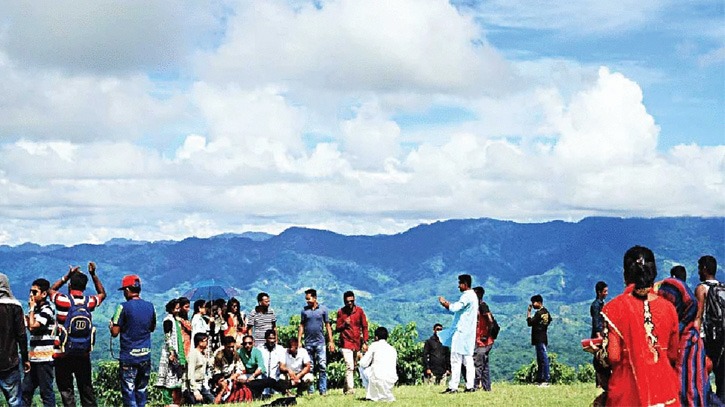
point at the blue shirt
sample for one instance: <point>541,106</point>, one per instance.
<point>136,318</point>
<point>313,321</point>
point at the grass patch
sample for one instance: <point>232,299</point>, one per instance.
<point>502,394</point>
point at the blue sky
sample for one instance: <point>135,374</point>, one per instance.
<point>175,119</point>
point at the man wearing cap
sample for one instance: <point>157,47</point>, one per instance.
<point>461,336</point>
<point>134,319</point>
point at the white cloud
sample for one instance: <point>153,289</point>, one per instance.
<point>102,37</point>
<point>391,46</point>
<point>713,57</point>
<point>89,152</point>
<point>585,16</point>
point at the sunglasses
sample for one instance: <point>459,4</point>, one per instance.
<point>34,292</point>
<point>438,329</point>
<point>247,343</point>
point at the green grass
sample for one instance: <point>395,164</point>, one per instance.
<point>502,394</point>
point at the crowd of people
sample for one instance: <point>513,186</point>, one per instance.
<point>214,354</point>
<point>654,344</point>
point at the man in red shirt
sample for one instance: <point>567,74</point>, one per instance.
<point>352,324</point>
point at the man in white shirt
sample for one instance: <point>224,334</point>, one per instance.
<point>378,368</point>
<point>273,356</point>
<point>461,336</point>
<point>297,367</point>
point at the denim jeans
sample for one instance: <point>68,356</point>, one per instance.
<point>10,385</point>
<point>318,355</point>
<point>134,379</point>
<point>542,361</point>
<point>41,375</point>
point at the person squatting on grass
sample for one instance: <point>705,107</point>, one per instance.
<point>378,368</point>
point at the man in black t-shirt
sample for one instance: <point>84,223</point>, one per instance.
<point>539,323</point>
<point>436,359</point>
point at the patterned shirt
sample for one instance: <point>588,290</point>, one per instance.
<point>260,322</point>
<point>42,338</point>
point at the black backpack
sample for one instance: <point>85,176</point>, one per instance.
<point>713,320</point>
<point>494,329</point>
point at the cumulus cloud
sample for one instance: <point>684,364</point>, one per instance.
<point>292,118</point>
<point>106,37</point>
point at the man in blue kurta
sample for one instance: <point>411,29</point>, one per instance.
<point>461,336</point>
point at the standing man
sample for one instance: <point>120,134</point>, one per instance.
<point>484,343</point>
<point>313,320</point>
<point>436,358</point>
<point>714,348</point>
<point>41,324</point>
<point>12,340</point>
<point>352,324</point>
<point>595,310</point>
<point>77,362</point>
<point>539,323</point>
<point>461,336</point>
<point>134,319</point>
<point>261,319</point>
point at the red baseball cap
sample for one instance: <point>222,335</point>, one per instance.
<point>131,280</point>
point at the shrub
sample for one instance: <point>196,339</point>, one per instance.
<point>107,385</point>
<point>586,373</point>
<point>560,373</point>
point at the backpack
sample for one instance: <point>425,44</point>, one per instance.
<point>713,320</point>
<point>494,329</point>
<point>77,332</point>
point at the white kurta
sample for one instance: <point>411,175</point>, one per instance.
<point>378,367</point>
<point>461,336</point>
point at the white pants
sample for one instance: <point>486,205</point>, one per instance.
<point>349,356</point>
<point>456,359</point>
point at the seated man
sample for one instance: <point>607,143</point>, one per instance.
<point>198,392</point>
<point>296,367</point>
<point>254,375</point>
<point>228,390</point>
<point>227,361</point>
<point>378,368</point>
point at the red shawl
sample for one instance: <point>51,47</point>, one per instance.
<point>641,344</point>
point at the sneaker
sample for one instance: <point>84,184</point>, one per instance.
<point>449,391</point>
<point>544,384</point>
<point>469,390</point>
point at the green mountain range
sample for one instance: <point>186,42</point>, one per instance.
<point>397,278</point>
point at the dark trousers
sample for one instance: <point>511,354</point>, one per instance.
<point>41,375</point>
<point>79,367</point>
<point>719,369</point>
<point>483,371</point>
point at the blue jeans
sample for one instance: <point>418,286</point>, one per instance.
<point>318,354</point>
<point>41,375</point>
<point>10,384</point>
<point>542,361</point>
<point>134,379</point>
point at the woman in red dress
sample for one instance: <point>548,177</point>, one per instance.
<point>641,339</point>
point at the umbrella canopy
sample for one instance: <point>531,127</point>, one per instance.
<point>210,292</point>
